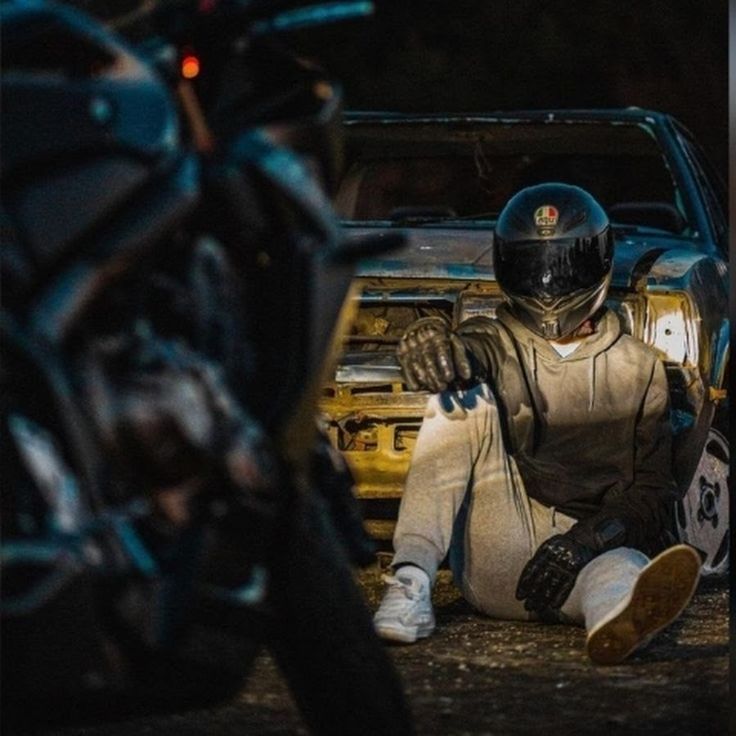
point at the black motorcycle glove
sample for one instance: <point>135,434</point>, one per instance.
<point>432,356</point>
<point>548,578</point>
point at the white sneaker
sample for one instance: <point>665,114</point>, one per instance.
<point>405,613</point>
<point>661,592</point>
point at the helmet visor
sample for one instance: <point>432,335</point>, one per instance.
<point>549,269</point>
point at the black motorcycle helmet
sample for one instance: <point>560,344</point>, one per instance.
<point>553,252</point>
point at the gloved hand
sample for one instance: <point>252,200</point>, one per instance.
<point>547,579</point>
<point>432,356</point>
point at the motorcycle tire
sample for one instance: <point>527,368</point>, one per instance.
<point>322,635</point>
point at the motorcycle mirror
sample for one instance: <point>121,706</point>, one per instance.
<point>251,18</point>
<point>313,15</point>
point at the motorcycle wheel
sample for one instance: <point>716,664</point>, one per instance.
<point>323,640</point>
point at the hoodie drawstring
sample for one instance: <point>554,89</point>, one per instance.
<point>592,370</point>
<point>591,383</point>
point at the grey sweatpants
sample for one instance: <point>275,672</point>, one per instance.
<point>464,494</point>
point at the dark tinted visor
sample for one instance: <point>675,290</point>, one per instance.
<point>551,268</point>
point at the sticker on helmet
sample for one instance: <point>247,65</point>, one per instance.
<point>546,216</point>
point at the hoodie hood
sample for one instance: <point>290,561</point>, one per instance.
<point>591,349</point>
<point>580,426</point>
<point>608,330</point>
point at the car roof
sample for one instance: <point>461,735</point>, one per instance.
<point>628,114</point>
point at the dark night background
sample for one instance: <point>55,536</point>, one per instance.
<point>487,55</point>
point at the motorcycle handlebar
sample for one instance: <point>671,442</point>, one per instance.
<point>253,18</point>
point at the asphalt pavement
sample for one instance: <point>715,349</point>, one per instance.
<point>480,676</point>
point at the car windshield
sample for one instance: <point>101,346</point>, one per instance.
<point>435,171</point>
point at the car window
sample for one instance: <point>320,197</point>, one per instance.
<point>453,171</point>
<point>708,183</point>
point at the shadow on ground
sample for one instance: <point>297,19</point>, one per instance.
<point>479,676</point>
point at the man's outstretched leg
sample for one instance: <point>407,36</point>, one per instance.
<point>623,599</point>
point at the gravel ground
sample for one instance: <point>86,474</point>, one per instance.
<point>479,676</point>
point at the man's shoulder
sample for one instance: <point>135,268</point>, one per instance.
<point>636,348</point>
<point>479,324</point>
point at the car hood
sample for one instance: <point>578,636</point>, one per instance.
<point>467,253</point>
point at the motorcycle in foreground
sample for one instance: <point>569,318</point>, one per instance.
<point>173,278</point>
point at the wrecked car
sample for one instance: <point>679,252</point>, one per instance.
<point>442,179</point>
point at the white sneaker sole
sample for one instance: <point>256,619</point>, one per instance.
<point>663,589</point>
<point>404,634</point>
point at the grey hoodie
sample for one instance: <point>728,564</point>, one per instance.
<point>590,432</point>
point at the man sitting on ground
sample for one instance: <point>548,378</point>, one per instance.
<point>544,460</point>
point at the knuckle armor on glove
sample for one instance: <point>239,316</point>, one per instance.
<point>431,355</point>
<point>550,575</point>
